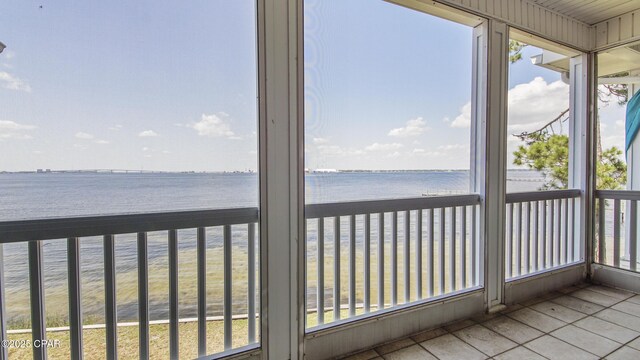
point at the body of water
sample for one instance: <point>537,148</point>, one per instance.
<point>31,196</point>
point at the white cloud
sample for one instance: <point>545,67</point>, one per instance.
<point>102,142</point>
<point>464,119</point>
<point>145,149</point>
<point>383,147</point>
<point>116,127</point>
<point>13,130</point>
<point>84,136</point>
<point>414,127</point>
<point>531,105</point>
<point>11,82</point>
<point>148,133</point>
<point>213,126</point>
<point>453,147</point>
<point>320,141</point>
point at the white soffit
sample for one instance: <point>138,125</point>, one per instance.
<point>590,11</point>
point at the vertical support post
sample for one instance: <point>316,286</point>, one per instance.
<point>489,146</point>
<point>337,294</point>
<point>281,154</point>
<point>367,263</point>
<point>228,287</point>
<point>581,154</point>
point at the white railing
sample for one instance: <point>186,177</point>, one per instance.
<point>436,237</point>
<point>540,231</point>
<point>76,229</point>
<point>616,243</point>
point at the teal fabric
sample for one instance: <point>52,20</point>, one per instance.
<point>633,119</point>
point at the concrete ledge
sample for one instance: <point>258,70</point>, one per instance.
<point>363,333</point>
<point>531,286</point>
<point>614,277</point>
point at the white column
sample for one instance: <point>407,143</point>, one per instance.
<point>489,146</point>
<point>581,132</point>
<point>281,177</point>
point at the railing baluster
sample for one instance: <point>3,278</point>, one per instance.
<point>110,309</point>
<point>536,234</point>
<point>573,230</point>
<point>558,238</point>
<point>633,235</point>
<point>543,242</point>
<point>566,230</point>
<point>4,353</point>
<point>616,232</point>
<point>527,238</point>
<point>518,241</point>
<point>174,343</point>
<point>509,265</point>
<point>441,248</point>
<point>463,247</point>
<point>367,263</point>
<point>418,253</point>
<point>336,268</point>
<point>228,287</point>
<point>201,250</point>
<point>452,250</point>
<point>474,245</point>
<point>38,324</point>
<point>431,257</point>
<point>251,282</point>
<point>143,296</point>
<point>352,266</point>
<point>552,233</point>
<point>380,261</point>
<point>394,259</point>
<point>320,290</point>
<point>602,246</point>
<point>407,254</point>
<point>75,298</point>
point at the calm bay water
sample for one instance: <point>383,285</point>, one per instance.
<point>30,196</point>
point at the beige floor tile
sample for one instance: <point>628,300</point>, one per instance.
<point>607,329</point>
<point>511,308</point>
<point>459,325</point>
<point>428,335</point>
<point>513,329</point>
<point>519,353</point>
<point>620,318</point>
<point>635,344</point>
<point>625,353</point>
<point>558,311</point>
<point>365,355</point>
<point>485,340</point>
<point>553,349</point>
<point>628,307</point>
<point>578,304</point>
<point>394,346</point>
<point>485,317</point>
<point>635,299</point>
<point>586,340</point>
<point>615,293</point>
<point>536,320</point>
<point>595,297</point>
<point>449,347</point>
<point>569,289</point>
<point>415,352</point>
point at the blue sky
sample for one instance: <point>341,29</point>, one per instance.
<point>168,85</point>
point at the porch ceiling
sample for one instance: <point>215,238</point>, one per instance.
<point>590,11</point>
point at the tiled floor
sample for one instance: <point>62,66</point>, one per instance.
<point>579,322</point>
